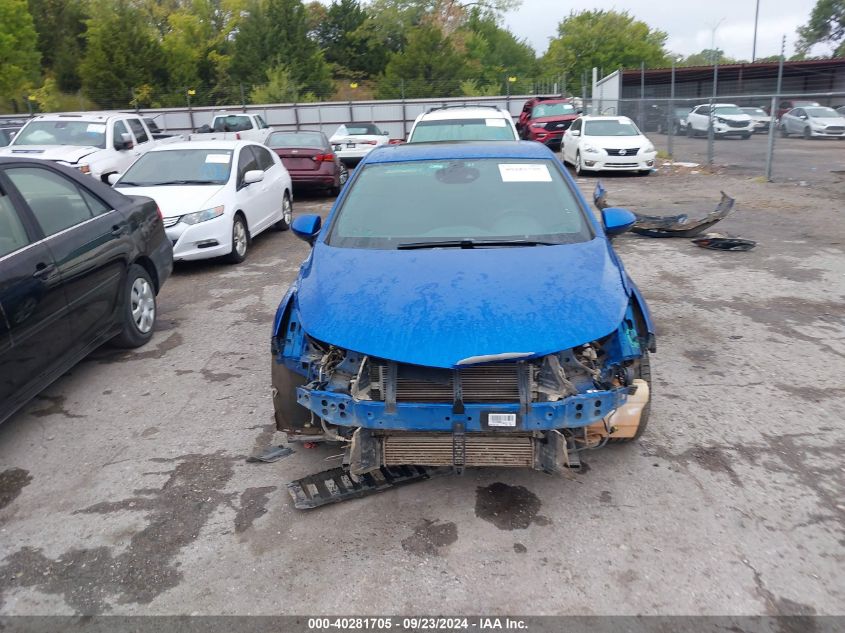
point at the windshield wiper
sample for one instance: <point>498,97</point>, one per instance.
<point>181,182</point>
<point>471,244</point>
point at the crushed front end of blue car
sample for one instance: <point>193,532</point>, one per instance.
<point>538,412</point>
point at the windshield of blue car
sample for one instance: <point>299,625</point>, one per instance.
<point>462,130</point>
<point>78,133</point>
<point>179,167</point>
<point>727,109</point>
<point>295,139</point>
<point>552,109</point>
<point>822,113</point>
<point>479,200</point>
<point>610,128</point>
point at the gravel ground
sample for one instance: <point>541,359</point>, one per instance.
<point>124,486</point>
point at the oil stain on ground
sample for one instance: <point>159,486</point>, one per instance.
<point>56,407</point>
<point>88,578</point>
<point>508,507</point>
<point>12,481</point>
<point>430,537</point>
<point>253,505</point>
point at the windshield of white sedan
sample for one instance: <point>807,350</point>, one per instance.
<point>179,167</point>
<point>730,109</point>
<point>610,128</point>
<point>462,130</point>
<point>822,113</point>
<point>358,129</point>
<point>78,133</point>
<point>459,203</point>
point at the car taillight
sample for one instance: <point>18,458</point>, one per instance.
<point>160,215</point>
<point>238,136</point>
<point>323,158</point>
<point>368,143</point>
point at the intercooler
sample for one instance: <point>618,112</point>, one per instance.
<point>480,449</point>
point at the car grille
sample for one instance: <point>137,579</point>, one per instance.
<point>622,152</point>
<point>838,129</point>
<point>558,126</point>
<point>736,123</point>
<point>168,222</point>
<point>484,383</point>
<point>620,165</point>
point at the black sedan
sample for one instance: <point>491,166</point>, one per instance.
<point>80,265</point>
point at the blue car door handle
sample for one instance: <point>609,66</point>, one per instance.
<point>43,270</point>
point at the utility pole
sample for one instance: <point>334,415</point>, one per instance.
<point>754,46</point>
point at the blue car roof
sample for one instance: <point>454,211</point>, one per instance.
<point>445,151</point>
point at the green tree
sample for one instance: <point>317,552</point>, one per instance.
<point>494,53</point>
<point>603,39</point>
<point>350,49</point>
<point>61,39</point>
<point>19,58</point>
<point>280,88</point>
<point>274,33</point>
<point>123,52</point>
<point>429,66</point>
<point>826,26</point>
<point>708,57</point>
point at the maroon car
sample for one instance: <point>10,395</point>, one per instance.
<point>545,119</point>
<point>310,160</point>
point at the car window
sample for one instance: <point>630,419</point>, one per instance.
<point>575,127</point>
<point>138,130</point>
<point>358,129</point>
<point>821,112</point>
<point>496,129</point>
<point>57,202</point>
<point>12,234</point>
<point>246,162</point>
<point>265,160</point>
<point>74,132</point>
<point>610,127</point>
<point>439,200</point>
<point>118,130</point>
<point>178,166</point>
<point>296,139</point>
<point>261,124</point>
<point>232,123</point>
<point>552,109</point>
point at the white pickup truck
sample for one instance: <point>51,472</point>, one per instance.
<point>234,127</point>
<point>98,144</point>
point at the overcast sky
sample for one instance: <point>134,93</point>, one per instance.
<point>689,24</point>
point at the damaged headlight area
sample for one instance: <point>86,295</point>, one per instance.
<point>537,413</point>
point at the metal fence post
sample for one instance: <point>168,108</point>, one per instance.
<point>711,133</point>
<point>404,111</point>
<point>243,98</point>
<point>641,114</point>
<point>774,113</point>
<point>670,122</point>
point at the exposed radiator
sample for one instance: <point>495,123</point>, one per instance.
<point>435,449</point>
<point>485,383</point>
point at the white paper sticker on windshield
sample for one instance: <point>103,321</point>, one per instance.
<point>97,128</point>
<point>525,172</point>
<point>495,122</point>
<point>218,158</point>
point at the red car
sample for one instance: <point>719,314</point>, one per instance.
<point>310,160</point>
<point>545,119</point>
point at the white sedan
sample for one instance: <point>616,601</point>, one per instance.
<point>353,141</point>
<point>215,196</point>
<point>612,143</point>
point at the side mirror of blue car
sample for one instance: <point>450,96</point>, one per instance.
<point>307,227</point>
<point>617,221</point>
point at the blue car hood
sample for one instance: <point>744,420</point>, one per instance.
<point>438,307</point>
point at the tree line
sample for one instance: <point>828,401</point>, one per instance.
<point>81,54</point>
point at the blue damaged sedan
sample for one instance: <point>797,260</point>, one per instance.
<point>462,307</point>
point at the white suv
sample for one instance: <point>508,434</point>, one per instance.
<point>463,123</point>
<point>728,120</point>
